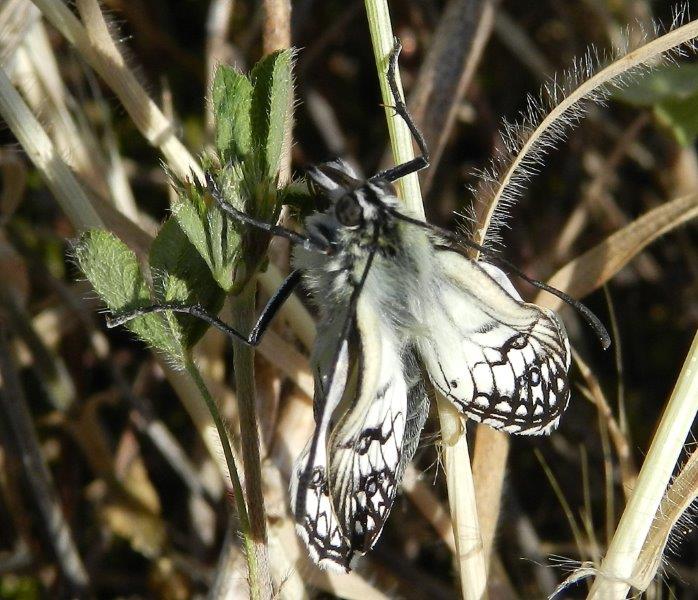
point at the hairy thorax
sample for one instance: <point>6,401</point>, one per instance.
<point>398,284</point>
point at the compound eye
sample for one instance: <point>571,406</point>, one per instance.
<point>348,211</point>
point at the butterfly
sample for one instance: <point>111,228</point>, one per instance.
<point>396,302</point>
<point>399,303</point>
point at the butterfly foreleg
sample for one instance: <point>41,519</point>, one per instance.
<point>198,311</point>
<point>420,162</point>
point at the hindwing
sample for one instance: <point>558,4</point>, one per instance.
<point>501,361</point>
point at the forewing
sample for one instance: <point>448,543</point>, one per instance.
<point>316,520</point>
<point>501,361</point>
<point>366,451</point>
<point>368,423</point>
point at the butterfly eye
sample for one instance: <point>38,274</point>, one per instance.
<point>348,211</point>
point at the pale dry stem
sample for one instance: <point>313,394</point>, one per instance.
<point>617,571</point>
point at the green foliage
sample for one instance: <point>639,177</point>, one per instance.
<point>216,238</point>
<point>179,274</point>
<point>271,109</point>
<point>251,117</point>
<point>232,103</point>
<point>114,272</point>
<point>200,254</point>
<point>13,587</point>
<point>671,92</point>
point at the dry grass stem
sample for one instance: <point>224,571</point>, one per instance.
<point>446,73</point>
<point>44,155</point>
<point>470,555</point>
<point>616,573</point>
<point>15,409</point>
<point>642,56</point>
<point>489,469</point>
<point>95,44</point>
<point>671,521</point>
<point>276,32</point>
<point>596,266</point>
<point>628,471</point>
<point>469,558</point>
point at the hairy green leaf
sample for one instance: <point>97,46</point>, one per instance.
<point>232,100</point>
<point>179,274</point>
<point>214,236</point>
<point>113,270</point>
<point>271,109</point>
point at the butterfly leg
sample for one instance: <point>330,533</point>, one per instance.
<point>420,162</point>
<point>309,243</point>
<point>198,311</point>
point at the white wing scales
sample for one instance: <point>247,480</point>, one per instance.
<point>316,520</point>
<point>501,361</point>
<point>366,446</point>
<point>346,480</point>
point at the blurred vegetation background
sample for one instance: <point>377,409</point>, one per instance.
<point>130,467</point>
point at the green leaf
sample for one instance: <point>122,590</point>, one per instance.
<point>113,270</point>
<point>213,235</point>
<point>271,109</point>
<point>680,115</point>
<point>669,81</point>
<point>180,274</point>
<point>232,100</point>
<point>672,92</point>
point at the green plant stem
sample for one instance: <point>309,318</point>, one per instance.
<point>461,491</point>
<point>240,506</point>
<point>383,40</point>
<point>618,567</point>
<point>243,364</point>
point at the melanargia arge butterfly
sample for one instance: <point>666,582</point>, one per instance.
<point>398,298</point>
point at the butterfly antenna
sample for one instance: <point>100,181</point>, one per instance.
<point>593,321</point>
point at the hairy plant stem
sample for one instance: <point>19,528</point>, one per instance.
<point>243,363</point>
<point>247,539</point>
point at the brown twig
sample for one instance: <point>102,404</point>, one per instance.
<point>628,469</point>
<point>276,32</point>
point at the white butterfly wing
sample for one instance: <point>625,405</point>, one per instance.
<point>367,430</point>
<point>316,520</point>
<point>501,361</point>
<point>366,445</point>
